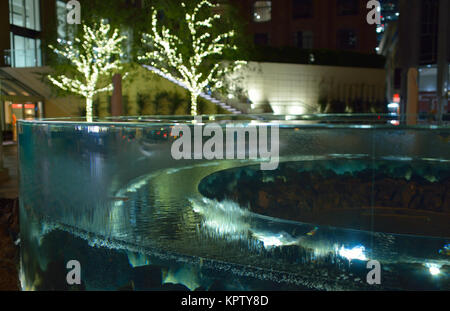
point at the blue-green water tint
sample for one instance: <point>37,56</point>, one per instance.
<point>109,195</point>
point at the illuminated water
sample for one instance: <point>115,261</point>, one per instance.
<point>109,195</point>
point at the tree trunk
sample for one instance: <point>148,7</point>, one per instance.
<point>116,99</point>
<point>194,98</point>
<point>89,102</point>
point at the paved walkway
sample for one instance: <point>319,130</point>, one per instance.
<point>10,188</point>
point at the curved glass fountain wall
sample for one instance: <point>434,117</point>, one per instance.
<point>350,195</point>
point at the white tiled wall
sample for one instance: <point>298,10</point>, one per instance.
<point>295,89</point>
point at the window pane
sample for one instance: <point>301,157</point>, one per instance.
<point>29,14</point>
<point>38,53</point>
<point>19,51</point>
<point>305,40</point>
<point>347,7</point>
<point>34,15</point>
<point>25,13</point>
<point>262,11</point>
<point>37,14</point>
<point>18,13</point>
<point>30,52</point>
<point>25,52</point>
<point>302,8</point>
<point>308,40</point>
<point>347,39</point>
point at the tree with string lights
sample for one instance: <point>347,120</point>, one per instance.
<point>94,56</point>
<point>190,51</point>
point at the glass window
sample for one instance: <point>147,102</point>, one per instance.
<point>347,39</point>
<point>25,52</point>
<point>33,8</point>
<point>19,51</point>
<point>38,59</point>
<point>305,40</point>
<point>302,9</point>
<point>347,7</point>
<point>30,52</point>
<point>25,13</point>
<point>29,14</point>
<point>17,14</point>
<point>262,11</point>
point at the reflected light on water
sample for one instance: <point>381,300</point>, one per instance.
<point>356,252</point>
<point>433,268</point>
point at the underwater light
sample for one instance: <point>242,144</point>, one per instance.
<point>269,241</point>
<point>356,252</point>
<point>222,218</point>
<point>273,240</point>
<point>93,129</point>
<point>433,268</point>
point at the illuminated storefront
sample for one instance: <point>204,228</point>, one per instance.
<point>17,101</point>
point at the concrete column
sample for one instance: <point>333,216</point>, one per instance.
<point>443,57</point>
<point>116,99</point>
<point>413,97</point>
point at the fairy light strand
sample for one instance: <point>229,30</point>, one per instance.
<point>166,54</point>
<point>94,56</point>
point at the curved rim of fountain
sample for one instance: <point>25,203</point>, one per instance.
<point>360,121</point>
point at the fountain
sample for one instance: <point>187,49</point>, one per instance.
<point>350,192</point>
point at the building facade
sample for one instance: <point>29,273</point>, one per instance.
<point>310,24</point>
<point>23,27</point>
<point>307,24</point>
<point>418,44</point>
<point>26,26</point>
